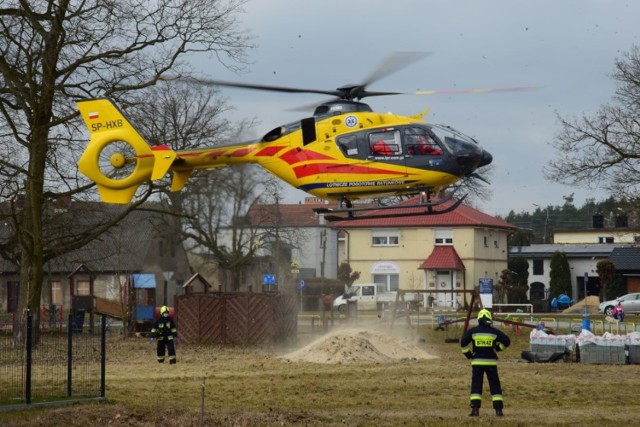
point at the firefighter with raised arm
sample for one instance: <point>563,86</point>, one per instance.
<point>480,344</point>
<point>164,331</point>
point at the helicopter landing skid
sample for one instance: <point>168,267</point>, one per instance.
<point>430,209</point>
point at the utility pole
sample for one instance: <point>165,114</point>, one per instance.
<point>323,245</point>
<point>546,223</point>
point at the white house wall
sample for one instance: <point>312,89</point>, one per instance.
<point>311,255</point>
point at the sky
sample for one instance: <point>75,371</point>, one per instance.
<point>566,48</point>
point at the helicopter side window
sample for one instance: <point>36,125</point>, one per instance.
<point>419,143</point>
<point>349,145</point>
<point>385,144</point>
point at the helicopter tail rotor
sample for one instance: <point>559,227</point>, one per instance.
<point>117,158</point>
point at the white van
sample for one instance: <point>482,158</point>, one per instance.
<point>370,296</point>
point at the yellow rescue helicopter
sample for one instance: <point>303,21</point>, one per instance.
<point>344,152</point>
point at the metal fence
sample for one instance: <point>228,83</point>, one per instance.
<point>65,364</point>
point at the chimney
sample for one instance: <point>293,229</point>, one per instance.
<point>622,221</point>
<point>598,221</point>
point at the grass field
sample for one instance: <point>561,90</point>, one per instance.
<point>217,386</point>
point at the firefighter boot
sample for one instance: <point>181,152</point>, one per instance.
<point>475,411</point>
<point>499,412</point>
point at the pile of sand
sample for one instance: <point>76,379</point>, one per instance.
<point>590,303</point>
<point>358,346</point>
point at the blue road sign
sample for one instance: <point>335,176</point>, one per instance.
<point>485,286</point>
<point>301,285</point>
<point>269,279</point>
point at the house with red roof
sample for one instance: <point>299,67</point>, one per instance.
<point>448,253</point>
<point>308,243</point>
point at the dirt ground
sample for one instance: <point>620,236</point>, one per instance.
<point>364,376</point>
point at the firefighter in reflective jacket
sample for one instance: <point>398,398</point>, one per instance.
<point>164,330</point>
<point>480,344</point>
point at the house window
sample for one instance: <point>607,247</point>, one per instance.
<point>391,281</point>
<point>605,240</point>
<point>56,293</point>
<point>385,238</point>
<point>538,267</point>
<point>444,237</point>
<point>445,241</point>
<point>82,288</point>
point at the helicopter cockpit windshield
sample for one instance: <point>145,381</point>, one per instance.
<point>453,139</point>
<point>466,150</point>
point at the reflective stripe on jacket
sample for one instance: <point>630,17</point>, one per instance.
<point>481,343</point>
<point>165,328</point>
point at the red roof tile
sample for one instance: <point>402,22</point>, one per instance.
<point>463,215</point>
<point>443,257</point>
<point>285,215</point>
<point>290,215</point>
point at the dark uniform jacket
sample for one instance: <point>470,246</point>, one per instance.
<point>481,342</point>
<point>164,328</point>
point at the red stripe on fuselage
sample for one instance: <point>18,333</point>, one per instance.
<point>296,156</point>
<point>216,153</point>
<point>242,152</point>
<point>319,168</point>
<point>270,151</point>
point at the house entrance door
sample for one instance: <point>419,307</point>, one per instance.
<point>443,283</point>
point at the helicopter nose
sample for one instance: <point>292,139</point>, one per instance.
<point>486,158</point>
<point>470,160</point>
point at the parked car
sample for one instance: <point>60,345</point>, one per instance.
<point>630,303</point>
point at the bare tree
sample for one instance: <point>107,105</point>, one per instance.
<point>55,52</point>
<point>347,275</point>
<point>216,210</point>
<point>603,149</point>
<point>184,115</point>
<point>280,239</point>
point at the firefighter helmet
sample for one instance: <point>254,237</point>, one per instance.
<point>484,316</point>
<point>164,309</point>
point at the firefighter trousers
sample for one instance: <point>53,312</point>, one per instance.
<point>477,376</point>
<point>164,343</point>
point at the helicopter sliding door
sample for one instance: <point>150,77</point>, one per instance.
<point>377,159</point>
<point>418,142</point>
<point>385,145</point>
<point>386,158</point>
<point>378,145</point>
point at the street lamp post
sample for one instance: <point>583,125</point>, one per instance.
<point>167,276</point>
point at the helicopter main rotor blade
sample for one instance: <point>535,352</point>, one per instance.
<point>392,63</point>
<point>473,91</point>
<point>210,82</point>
